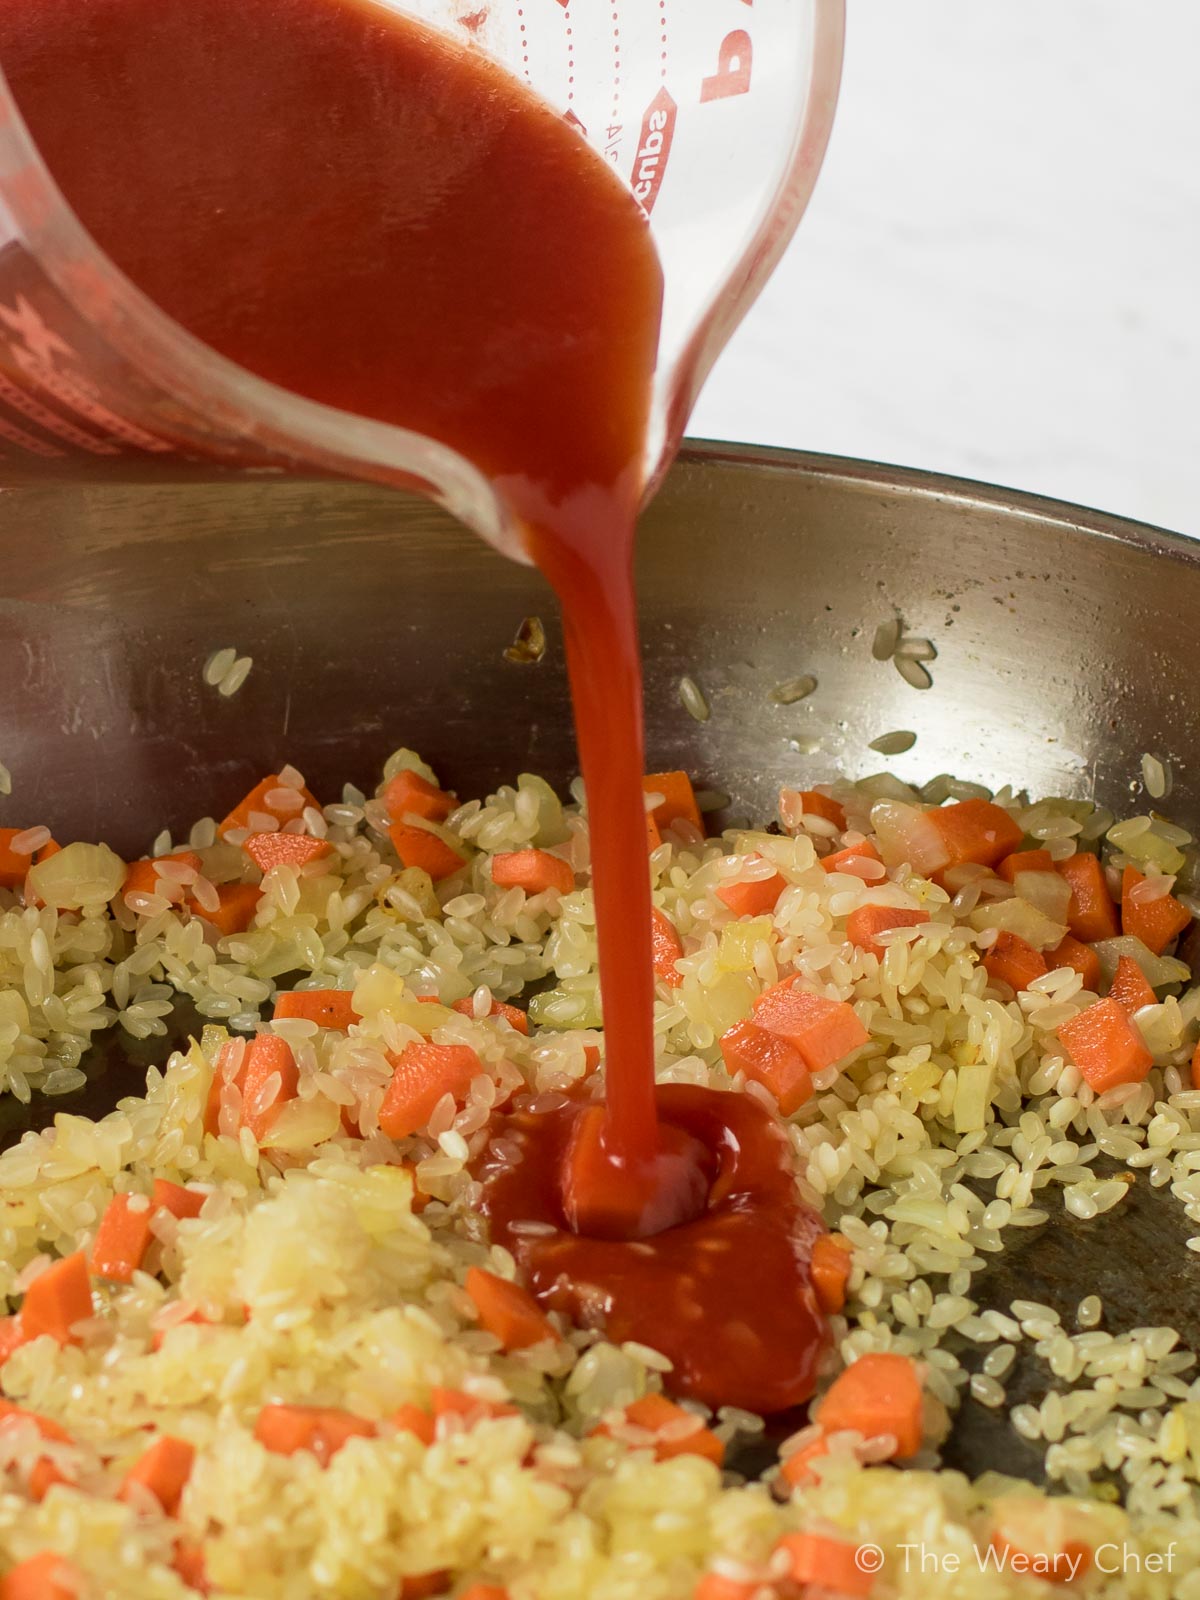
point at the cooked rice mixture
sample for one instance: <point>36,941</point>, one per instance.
<point>317,1274</point>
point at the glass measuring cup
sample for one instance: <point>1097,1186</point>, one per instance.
<point>715,112</point>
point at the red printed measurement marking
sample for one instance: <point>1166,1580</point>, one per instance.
<point>79,397</point>
<point>610,151</point>
<point>26,324</point>
<point>36,447</point>
<point>35,347</point>
<point>35,411</point>
<point>654,149</point>
<point>733,68</point>
<point>566,5</point>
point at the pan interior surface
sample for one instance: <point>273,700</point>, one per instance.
<point>373,621</point>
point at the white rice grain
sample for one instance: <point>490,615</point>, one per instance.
<point>691,697</point>
<point>218,664</point>
<point>236,676</point>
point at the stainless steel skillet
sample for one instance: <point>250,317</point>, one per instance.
<point>1065,639</point>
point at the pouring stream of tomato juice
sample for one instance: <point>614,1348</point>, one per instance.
<point>372,216</point>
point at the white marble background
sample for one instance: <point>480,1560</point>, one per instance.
<point>999,275</point>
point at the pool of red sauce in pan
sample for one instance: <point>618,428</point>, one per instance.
<point>375,217</point>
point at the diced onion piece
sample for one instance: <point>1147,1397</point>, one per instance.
<point>1145,845</point>
<point>79,875</point>
<point>1063,1534</point>
<point>404,760</point>
<point>1048,891</point>
<point>1019,917</point>
<point>1157,970</point>
<point>905,833</point>
<point>972,1097</point>
<point>1160,1026</point>
<point>739,940</point>
<point>301,1124</point>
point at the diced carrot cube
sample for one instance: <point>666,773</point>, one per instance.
<point>328,1008</point>
<point>408,794</point>
<point>975,830</point>
<point>716,1586</point>
<point>57,1300</point>
<point>599,1203</point>
<point>235,913</point>
<point>256,800</point>
<point>122,1238</point>
<point>830,1269</point>
<point>1036,1534</point>
<point>1012,960</point>
<point>1105,1046</point>
<point>535,871</point>
<point>666,949</point>
<point>11,1414</point>
<point>851,859</point>
<point>678,802</point>
<point>43,1577</point>
<point>411,1419</point>
<point>456,1403</point>
<point>824,1031</point>
<point>766,1058</point>
<point>880,1393</point>
<point>321,1430</point>
<point>654,1412</point>
<point>1025,861</point>
<point>513,1015</point>
<point>1129,987</point>
<point>753,897</point>
<point>1195,1085</point>
<point>141,877</point>
<point>484,1591</point>
<point>1057,1566</point>
<point>507,1311</point>
<point>1080,957</point>
<point>796,1470</point>
<point>418,847</point>
<point>189,1563</point>
<point>864,925</point>
<point>164,1470</point>
<point>43,1475</point>
<point>424,1585</point>
<point>212,1109</point>
<point>173,1197</point>
<point>830,1563</point>
<point>1154,922</point>
<point>421,1074</point>
<point>1091,915</point>
<point>817,804</point>
<point>268,850</point>
<point>270,1078</point>
<point>13,865</point>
